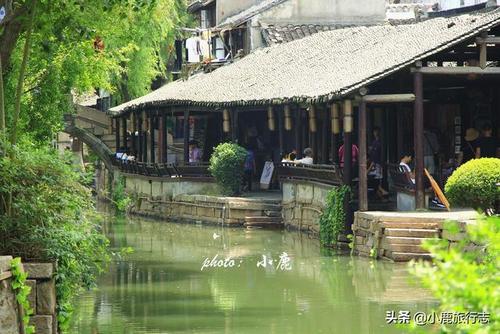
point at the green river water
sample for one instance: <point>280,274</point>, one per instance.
<point>160,288</point>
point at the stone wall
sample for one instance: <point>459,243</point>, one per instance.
<point>303,204</point>
<point>207,209</point>
<point>9,321</point>
<point>168,188</point>
<point>42,298</point>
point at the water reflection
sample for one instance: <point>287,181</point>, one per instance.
<point>161,289</point>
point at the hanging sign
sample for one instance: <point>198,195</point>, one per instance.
<point>267,174</point>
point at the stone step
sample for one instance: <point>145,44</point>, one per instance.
<point>272,213</point>
<point>263,222</point>
<point>411,232</point>
<point>403,248</point>
<point>403,240</point>
<point>403,224</point>
<point>403,257</point>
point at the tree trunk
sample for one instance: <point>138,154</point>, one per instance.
<point>2,103</point>
<point>19,91</point>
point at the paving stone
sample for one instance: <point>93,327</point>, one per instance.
<point>43,324</point>
<point>46,297</point>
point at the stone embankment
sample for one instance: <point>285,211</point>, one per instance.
<point>42,298</point>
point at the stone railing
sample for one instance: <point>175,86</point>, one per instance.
<point>42,298</point>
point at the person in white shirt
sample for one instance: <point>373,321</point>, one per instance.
<point>405,166</point>
<point>308,159</point>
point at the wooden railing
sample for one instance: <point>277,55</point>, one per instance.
<point>327,174</point>
<point>163,170</point>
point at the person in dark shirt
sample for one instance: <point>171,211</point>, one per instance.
<point>468,151</point>
<point>487,145</point>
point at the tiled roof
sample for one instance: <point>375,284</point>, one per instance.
<point>321,67</point>
<point>276,34</point>
<point>248,13</point>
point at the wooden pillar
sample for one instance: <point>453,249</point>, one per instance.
<point>347,142</point>
<point>335,130</point>
<point>152,138</point>
<point>363,179</point>
<point>117,134</point>
<point>281,126</point>
<point>234,127</point>
<point>186,137</point>
<point>324,136</point>
<point>145,137</point>
<point>125,133</point>
<point>418,138</point>
<point>348,161</point>
<point>298,132</point>
<point>139,137</point>
<point>483,48</point>
<point>162,139</point>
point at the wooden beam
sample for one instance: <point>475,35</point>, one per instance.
<point>488,40</point>
<point>418,138</point>
<point>363,177</point>
<point>117,133</point>
<point>466,70</point>
<point>152,138</point>
<point>139,136</point>
<point>388,98</point>
<point>162,138</point>
<point>125,133</point>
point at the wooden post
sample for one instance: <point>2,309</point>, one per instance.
<point>483,49</point>
<point>125,133</point>
<point>139,137</point>
<point>280,132</point>
<point>298,132</point>
<point>363,179</point>
<point>234,127</point>
<point>186,137</point>
<point>335,125</point>
<point>418,133</point>
<point>117,133</point>
<point>347,142</point>
<point>162,139</point>
<point>145,137</point>
<point>152,137</point>
<point>324,136</point>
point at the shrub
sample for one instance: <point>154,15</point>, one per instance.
<point>464,278</point>
<point>44,215</point>
<point>332,220</point>
<point>474,184</point>
<point>120,198</point>
<point>226,166</point>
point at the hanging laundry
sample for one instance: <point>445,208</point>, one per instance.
<point>193,49</point>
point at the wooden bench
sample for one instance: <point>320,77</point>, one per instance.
<point>327,174</point>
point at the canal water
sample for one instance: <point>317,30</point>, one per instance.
<point>160,287</point>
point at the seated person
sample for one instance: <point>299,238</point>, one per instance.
<point>307,159</point>
<point>404,165</point>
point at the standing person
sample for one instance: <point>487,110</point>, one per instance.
<point>194,152</point>
<point>431,149</point>
<point>249,168</point>
<point>468,151</point>
<point>355,153</point>
<point>487,145</point>
<point>307,159</point>
<point>404,164</point>
<point>375,167</point>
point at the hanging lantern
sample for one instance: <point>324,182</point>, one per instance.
<point>288,118</point>
<point>312,118</point>
<point>270,119</point>
<point>335,114</point>
<point>226,125</point>
<point>348,116</point>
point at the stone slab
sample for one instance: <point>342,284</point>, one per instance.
<point>32,296</point>
<point>5,263</point>
<point>39,270</point>
<point>46,297</point>
<point>43,324</point>
<point>8,309</point>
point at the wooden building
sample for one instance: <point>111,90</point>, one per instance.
<point>335,86</point>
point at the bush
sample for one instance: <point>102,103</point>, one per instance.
<point>474,184</point>
<point>463,279</point>
<point>333,218</point>
<point>226,166</point>
<point>44,214</point>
